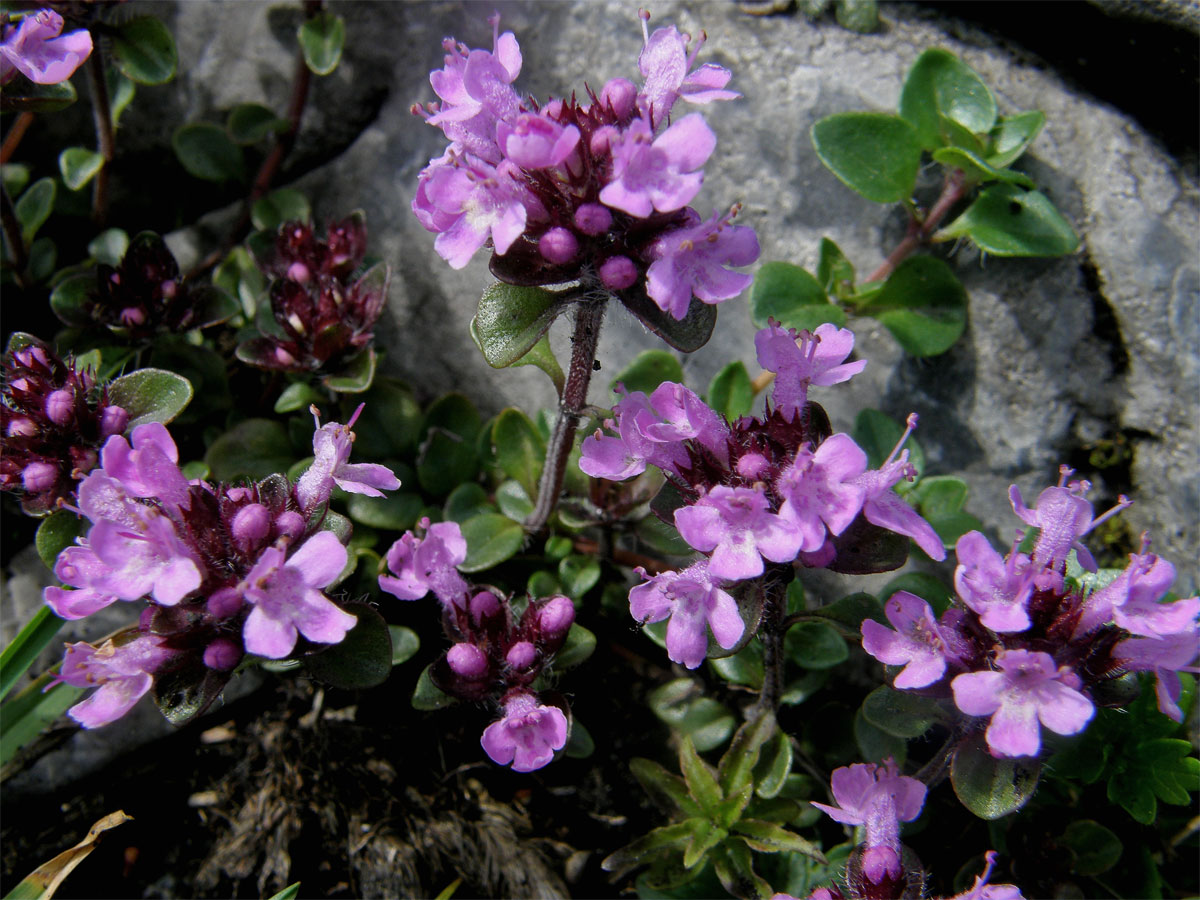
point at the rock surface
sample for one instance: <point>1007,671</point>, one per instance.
<point>1059,354</point>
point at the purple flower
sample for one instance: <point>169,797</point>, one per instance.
<point>332,444</point>
<point>620,457</point>
<point>917,643</point>
<point>658,173</point>
<point>536,141</point>
<point>148,468</point>
<point>1132,601</point>
<point>35,48</point>
<point>421,565</point>
<point>981,890</point>
<point>799,359</point>
<point>664,64</point>
<point>1063,516</point>
<point>122,673</point>
<point>878,798</point>
<point>736,524</point>
<point>997,589</point>
<point>695,604</point>
<point>1028,688</point>
<point>527,736</point>
<point>691,261</point>
<point>820,489</point>
<point>286,599</point>
<point>1165,657</point>
<point>686,417</point>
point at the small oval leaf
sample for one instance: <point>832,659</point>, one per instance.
<point>144,51</point>
<point>151,395</point>
<point>875,154</point>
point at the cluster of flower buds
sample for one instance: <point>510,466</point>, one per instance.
<point>36,47</point>
<point>595,190</point>
<point>879,798</point>
<point>226,570</point>
<point>322,314</point>
<point>146,294</point>
<point>1023,644</point>
<point>495,653</point>
<point>53,420</point>
<point>782,488</point>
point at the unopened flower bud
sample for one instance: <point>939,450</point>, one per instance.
<point>753,465</point>
<point>467,660</point>
<point>521,655</point>
<point>21,427</point>
<point>60,407</point>
<point>39,476</point>
<point>289,523</point>
<point>558,246</point>
<point>225,602</point>
<point>618,272</point>
<point>299,273</point>
<point>601,138</point>
<point>222,654</point>
<point>169,289</point>
<point>556,617</point>
<point>113,421</point>
<point>131,315</point>
<point>484,605</point>
<point>593,219</point>
<point>251,524</point>
<point>619,95</point>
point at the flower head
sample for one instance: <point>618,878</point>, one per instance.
<point>691,261</point>
<point>917,643</point>
<point>736,524</point>
<point>527,736</point>
<point>799,359</point>
<point>696,604</point>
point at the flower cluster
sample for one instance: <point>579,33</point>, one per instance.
<point>322,315</point>
<point>879,798</point>
<point>226,570</point>
<point>495,654</point>
<point>53,420</point>
<point>36,47</point>
<point>782,488</point>
<point>568,190</point>
<point>1025,645</point>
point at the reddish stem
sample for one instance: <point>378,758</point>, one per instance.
<point>106,142</point>
<point>13,138</point>
<point>919,231</point>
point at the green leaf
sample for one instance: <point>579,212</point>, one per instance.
<point>941,500</point>
<point>901,713</point>
<point>767,837</point>
<point>661,537</point>
<point>252,449</point>
<point>927,587</point>
<point>852,610</point>
<point>291,892</point>
<point>207,152</point>
<point>1006,221</point>
<point>448,456</point>
<point>835,273</point>
<point>861,16</point>
<point>687,334</point>
<point>185,692</point>
<point>700,778</point>
<point>705,836</point>
<point>390,424</point>
<point>648,370</point>
<point>491,539</point>
<point>363,659</point>
<point>578,573</point>
<point>23,95</point>
<point>1096,848</point>
<point>923,305</point>
<point>78,166</point>
<point>774,766</point>
<point>249,123</point>
<point>543,357</point>
<point>55,533</point>
<point>665,789</point>
<point>297,395</point>
<point>321,40</point>
<point>802,688</point>
<point>150,395</point>
<point>357,375</point>
<point>31,710</point>
<point>212,305</point>
<point>121,92</point>
<point>1012,135</point>
<point>635,853</point>
<point>1160,768</point>
<point>876,745</point>
<point>397,511</point>
<point>405,644</point>
<point>977,169</point>
<point>991,788</point>
<point>33,207</point>
<point>428,696</point>
<point>875,154</point>
<point>28,644</point>
<point>940,83</point>
<point>465,501</point>
<point>109,247</point>
<point>579,741</point>
<point>730,392</point>
<point>790,295</point>
<point>519,447</point>
<point>43,259</point>
<point>279,207</point>
<point>579,645</point>
<point>737,765</point>
<point>704,720</point>
<point>744,667</point>
<point>511,319</point>
<point>815,645</point>
<point>144,51</point>
<point>14,177</point>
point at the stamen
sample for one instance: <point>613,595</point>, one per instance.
<point>910,425</point>
<point>1123,503</point>
<point>316,414</point>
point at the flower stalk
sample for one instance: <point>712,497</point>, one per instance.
<point>106,143</point>
<point>920,230</point>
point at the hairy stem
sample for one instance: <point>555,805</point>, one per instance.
<point>12,233</point>
<point>770,633</point>
<point>919,231</point>
<point>588,316</point>
<point>106,142</point>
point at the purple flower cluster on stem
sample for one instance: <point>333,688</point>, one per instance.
<point>225,570</point>
<point>597,190</point>
<point>1024,646</point>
